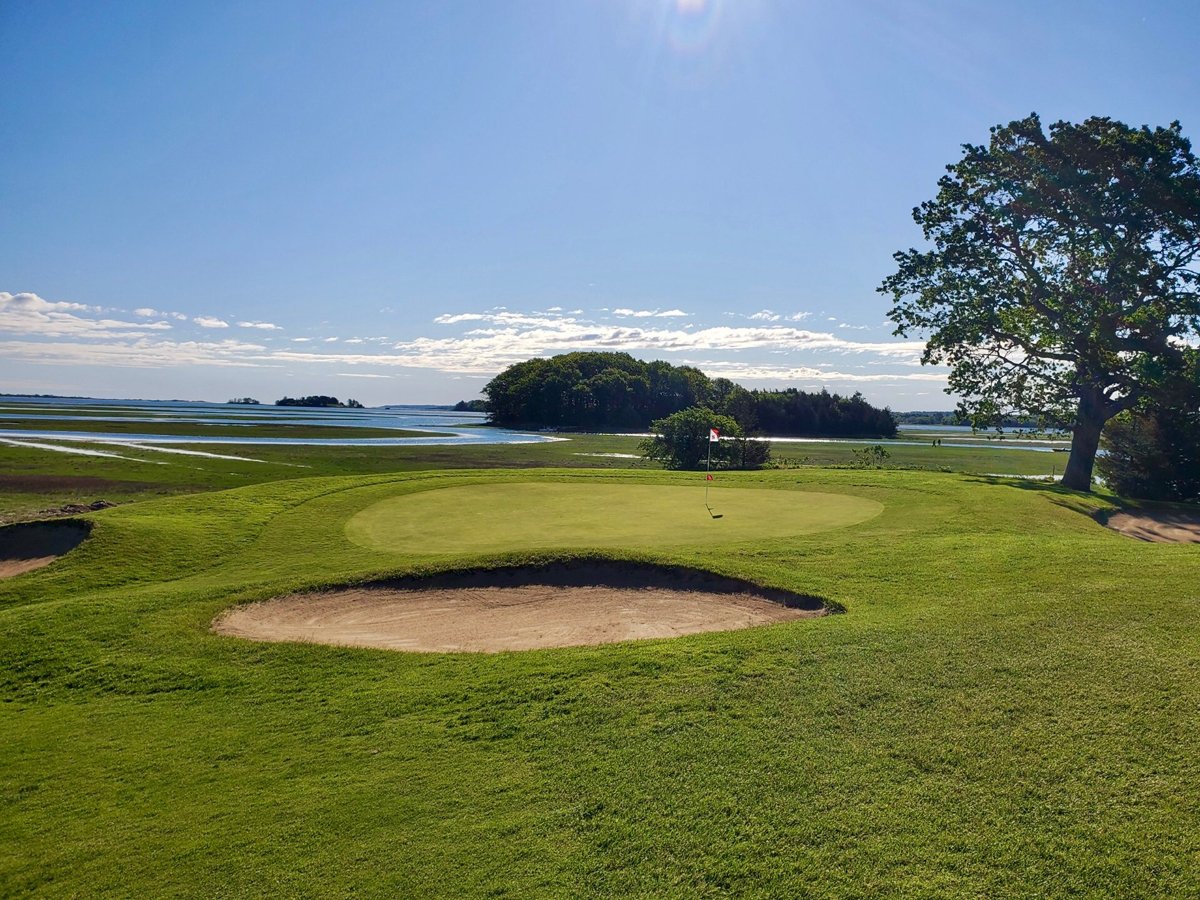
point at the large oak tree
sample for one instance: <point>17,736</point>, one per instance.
<point>1062,277</point>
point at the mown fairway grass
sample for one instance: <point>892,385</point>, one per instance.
<point>1009,706</point>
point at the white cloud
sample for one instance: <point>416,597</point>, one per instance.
<point>799,316</point>
<point>359,375</point>
<point>142,353</point>
<point>26,300</point>
<point>28,314</point>
<point>210,322</point>
<point>262,326</point>
<point>764,315</point>
<point>736,371</point>
<point>763,350</point>
<point>148,312</point>
<point>501,316</point>
<point>625,312</point>
<point>491,349</point>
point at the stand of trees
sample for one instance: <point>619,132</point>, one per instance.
<point>943,417</point>
<point>793,412</point>
<point>318,400</point>
<point>1153,455</point>
<point>1153,452</point>
<point>593,390</point>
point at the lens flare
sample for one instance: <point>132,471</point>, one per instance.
<point>692,24</point>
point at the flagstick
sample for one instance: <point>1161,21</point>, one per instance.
<point>707,470</point>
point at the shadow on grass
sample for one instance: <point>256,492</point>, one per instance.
<point>1090,505</point>
<point>616,573</point>
<point>31,545</point>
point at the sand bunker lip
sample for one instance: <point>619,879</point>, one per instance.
<point>31,545</point>
<point>525,608</point>
<point>1159,526</point>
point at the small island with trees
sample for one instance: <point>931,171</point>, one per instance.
<point>589,391</point>
<point>319,400</point>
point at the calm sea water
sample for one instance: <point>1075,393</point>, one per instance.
<point>455,427</point>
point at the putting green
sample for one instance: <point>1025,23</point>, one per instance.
<point>480,518</point>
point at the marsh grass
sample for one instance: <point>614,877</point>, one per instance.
<point>33,481</point>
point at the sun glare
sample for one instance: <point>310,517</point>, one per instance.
<point>691,24</point>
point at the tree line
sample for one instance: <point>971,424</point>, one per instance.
<point>953,417</point>
<point>594,390</point>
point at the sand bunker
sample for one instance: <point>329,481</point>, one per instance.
<point>35,544</point>
<point>520,609</point>
<point>1165,526</point>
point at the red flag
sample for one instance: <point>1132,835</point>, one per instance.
<point>708,478</point>
<point>714,435</point>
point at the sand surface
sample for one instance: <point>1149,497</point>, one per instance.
<point>33,545</point>
<point>519,610</point>
<point>1158,525</point>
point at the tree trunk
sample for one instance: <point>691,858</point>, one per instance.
<point>1085,440</point>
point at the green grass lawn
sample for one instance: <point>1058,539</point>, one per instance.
<point>1009,706</point>
<point>491,518</point>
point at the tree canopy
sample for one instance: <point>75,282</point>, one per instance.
<point>681,441</point>
<point>1153,452</point>
<point>613,390</point>
<point>1153,455</point>
<point>1062,278</point>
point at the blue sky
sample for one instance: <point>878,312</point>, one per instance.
<point>393,201</point>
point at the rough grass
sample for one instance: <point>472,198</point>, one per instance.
<point>1009,706</point>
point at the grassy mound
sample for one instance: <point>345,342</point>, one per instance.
<point>1009,706</point>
